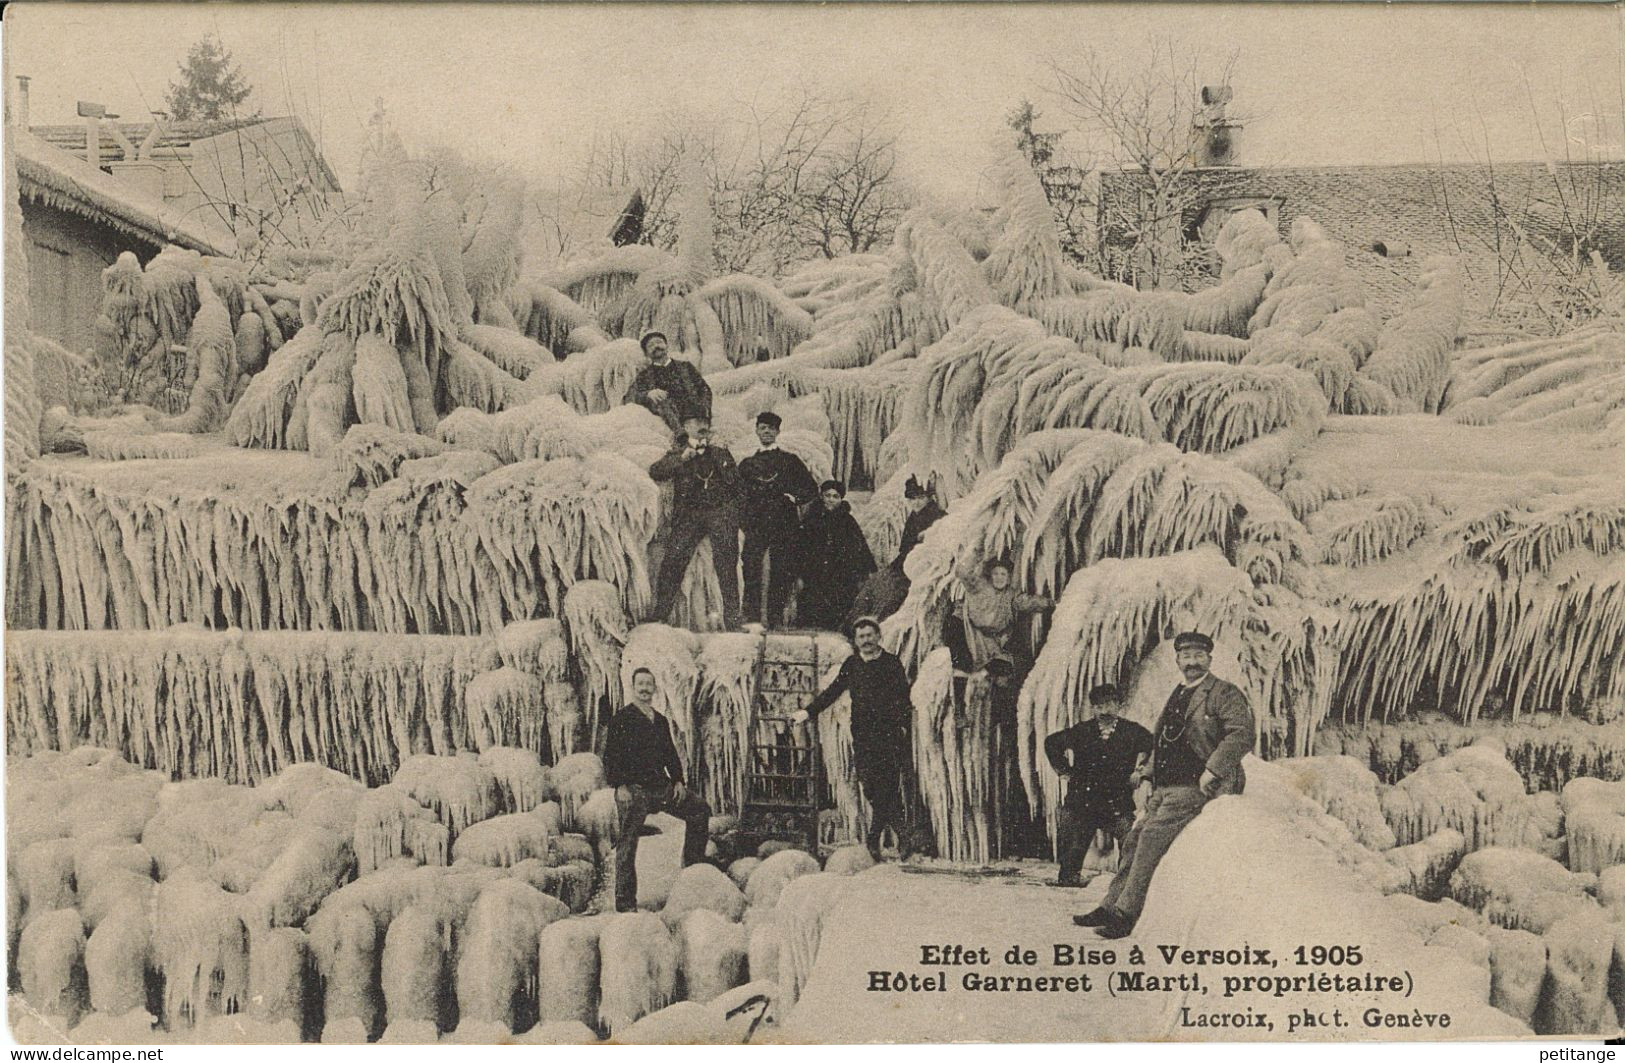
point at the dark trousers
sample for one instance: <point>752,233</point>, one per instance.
<point>635,804</point>
<point>883,790</point>
<point>1169,811</point>
<point>823,606</point>
<point>687,529</point>
<point>758,541</point>
<point>1075,829</point>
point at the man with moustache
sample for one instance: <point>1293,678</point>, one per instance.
<point>1100,759</point>
<point>1204,731</point>
<point>705,505</point>
<point>880,724</point>
<point>642,763</point>
<point>672,390</point>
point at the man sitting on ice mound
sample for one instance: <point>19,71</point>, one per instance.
<point>1202,734</point>
<point>642,763</point>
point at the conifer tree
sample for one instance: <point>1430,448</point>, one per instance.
<point>211,85</point>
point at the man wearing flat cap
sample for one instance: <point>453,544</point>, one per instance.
<point>776,484</point>
<point>1204,731</point>
<point>1100,759</point>
<point>672,390</point>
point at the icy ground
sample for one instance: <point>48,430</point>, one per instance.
<point>1239,877</point>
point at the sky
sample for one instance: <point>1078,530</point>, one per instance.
<point>532,86</point>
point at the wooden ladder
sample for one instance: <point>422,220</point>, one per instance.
<point>784,772</point>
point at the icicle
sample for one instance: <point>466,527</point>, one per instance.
<point>458,790</point>
<point>506,707</point>
<point>596,623</point>
<point>727,664</point>
<point>1107,619</point>
<point>201,947</point>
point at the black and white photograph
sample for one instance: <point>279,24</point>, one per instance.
<point>790,523</point>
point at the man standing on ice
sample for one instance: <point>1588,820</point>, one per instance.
<point>1204,731</point>
<point>642,764</point>
<point>881,746</point>
<point>705,505</point>
<point>775,483</point>
<point>673,390</point>
<point>883,593</point>
<point>1100,759</point>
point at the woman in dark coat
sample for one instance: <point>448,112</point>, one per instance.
<point>834,560</point>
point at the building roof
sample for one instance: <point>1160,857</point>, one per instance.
<point>49,175</point>
<point>71,137</point>
<point>177,139</point>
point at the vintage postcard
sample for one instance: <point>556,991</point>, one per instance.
<point>790,523</point>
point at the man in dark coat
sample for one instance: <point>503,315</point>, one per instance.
<point>1100,760</point>
<point>642,764</point>
<point>834,560</point>
<point>923,512</point>
<point>1204,731</point>
<point>776,483</point>
<point>705,505</point>
<point>883,593</point>
<point>674,391</point>
<point>881,746</point>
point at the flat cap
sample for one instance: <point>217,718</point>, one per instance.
<point>1194,640</point>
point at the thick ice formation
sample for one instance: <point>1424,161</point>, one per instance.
<point>1473,790</point>
<point>712,951</point>
<point>638,968</point>
<point>1594,819</point>
<point>1518,889</point>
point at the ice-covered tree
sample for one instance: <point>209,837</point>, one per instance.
<point>1141,114</point>
<point>635,288</point>
<point>1063,180</point>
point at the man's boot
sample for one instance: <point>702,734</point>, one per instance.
<point>1117,925</point>
<point>1098,917</point>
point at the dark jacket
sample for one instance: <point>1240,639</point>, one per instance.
<point>704,482</point>
<point>880,707</point>
<point>765,478</point>
<point>690,395</point>
<point>914,529</point>
<point>1097,770</point>
<point>833,559</point>
<point>1221,731</point>
<point>881,595</point>
<point>639,751</point>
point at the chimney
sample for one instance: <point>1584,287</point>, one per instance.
<point>93,113</point>
<point>20,108</point>
<point>148,177</point>
<point>1216,135</point>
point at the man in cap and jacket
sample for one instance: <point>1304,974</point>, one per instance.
<point>880,723</point>
<point>1204,731</point>
<point>705,505</point>
<point>1100,759</point>
<point>776,484</point>
<point>671,389</point>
